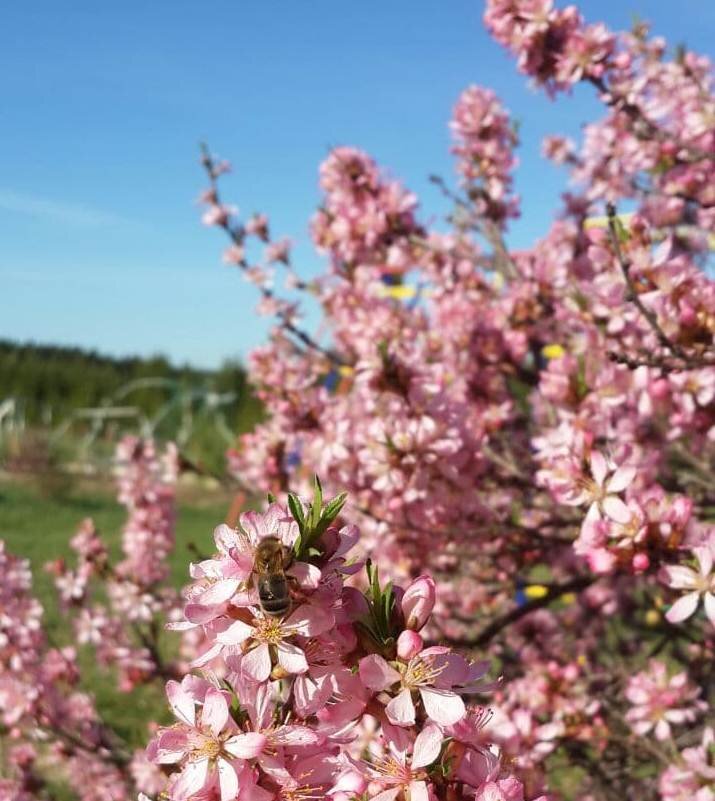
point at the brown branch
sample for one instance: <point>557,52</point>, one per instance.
<point>500,623</point>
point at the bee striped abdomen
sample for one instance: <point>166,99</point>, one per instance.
<point>273,594</point>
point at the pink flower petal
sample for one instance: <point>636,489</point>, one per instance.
<point>310,621</point>
<point>616,509</point>
<point>252,524</point>
<point>307,575</point>
<point>295,735</point>
<point>401,710</point>
<point>170,746</point>
<point>218,593</point>
<point>705,558</point>
<point>181,703</point>
<point>662,730</point>
<point>246,746</point>
<point>387,795</point>
<point>311,693</point>
<point>679,577</point>
<point>225,538</point>
<point>709,599</point>
<point>418,791</point>
<point>227,780</point>
<point>197,614</point>
<point>256,664</point>
<point>291,658</point>
<point>622,478</point>
<point>236,634</point>
<point>215,711</point>
<point>599,468</point>
<point>376,674</point>
<point>427,746</point>
<point>683,608</point>
<point>442,706</point>
<point>192,779</point>
<point>208,655</point>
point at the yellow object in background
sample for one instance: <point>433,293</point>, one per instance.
<point>535,591</point>
<point>553,351</point>
<point>602,222</point>
<point>652,617</point>
<point>399,291</point>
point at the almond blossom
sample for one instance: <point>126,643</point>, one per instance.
<point>256,640</point>
<point>660,700</point>
<point>601,491</point>
<point>404,777</point>
<point>433,674</point>
<point>205,743</point>
<point>698,584</point>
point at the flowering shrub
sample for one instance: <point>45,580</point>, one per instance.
<point>338,697</point>
<point>528,440</point>
<point>533,429</point>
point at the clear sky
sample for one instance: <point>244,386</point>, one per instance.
<point>102,105</point>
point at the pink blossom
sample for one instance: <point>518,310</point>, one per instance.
<point>206,745</point>
<point>418,602</point>
<point>431,674</point>
<point>660,700</point>
<point>698,583</point>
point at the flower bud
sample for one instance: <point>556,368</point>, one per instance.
<point>641,562</point>
<point>409,644</point>
<point>418,602</point>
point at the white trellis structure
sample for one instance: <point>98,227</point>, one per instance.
<point>190,402</point>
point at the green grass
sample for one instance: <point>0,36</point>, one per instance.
<point>39,526</point>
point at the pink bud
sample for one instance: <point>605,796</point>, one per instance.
<point>349,784</point>
<point>409,644</point>
<point>418,602</point>
<point>641,562</point>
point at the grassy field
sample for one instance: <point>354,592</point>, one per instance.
<point>39,526</point>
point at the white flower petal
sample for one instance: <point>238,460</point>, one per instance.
<point>599,468</point>
<point>616,509</point>
<point>683,608</point>
<point>442,706</point>
<point>256,664</point>
<point>622,478</point>
<point>427,746</point>
<point>291,658</point>
<point>227,780</point>
<point>401,711</point>
<point>710,606</point>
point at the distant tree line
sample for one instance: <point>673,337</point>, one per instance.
<point>49,383</point>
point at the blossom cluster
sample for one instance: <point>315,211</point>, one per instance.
<point>339,695</point>
<point>43,710</point>
<point>534,428</point>
<point>123,629</point>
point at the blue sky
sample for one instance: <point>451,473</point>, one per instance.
<point>103,105</point>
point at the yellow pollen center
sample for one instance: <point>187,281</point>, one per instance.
<point>270,631</point>
<point>211,748</point>
<point>420,672</point>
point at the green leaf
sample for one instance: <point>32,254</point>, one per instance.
<point>296,509</point>
<point>271,498</point>
<point>317,503</point>
<point>388,599</point>
<point>331,511</point>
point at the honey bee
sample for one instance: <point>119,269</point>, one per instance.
<point>270,579</point>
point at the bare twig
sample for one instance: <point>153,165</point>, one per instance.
<point>236,235</point>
